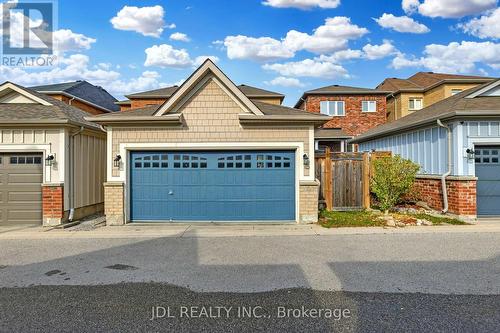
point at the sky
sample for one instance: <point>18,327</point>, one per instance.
<point>288,46</point>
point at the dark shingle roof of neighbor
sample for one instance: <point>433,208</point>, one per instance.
<point>266,108</point>
<point>457,105</point>
<point>166,92</point>
<point>83,90</point>
<point>56,112</point>
<point>330,133</point>
<point>423,81</point>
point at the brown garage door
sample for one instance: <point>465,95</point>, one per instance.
<point>21,176</point>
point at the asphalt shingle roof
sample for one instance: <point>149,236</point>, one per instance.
<point>167,92</point>
<point>83,90</point>
<point>56,112</point>
<point>448,106</point>
<point>336,89</point>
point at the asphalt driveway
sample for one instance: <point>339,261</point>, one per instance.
<point>386,281</point>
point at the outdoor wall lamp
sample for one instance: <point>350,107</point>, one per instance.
<point>470,153</point>
<point>307,162</point>
<point>50,159</point>
<point>116,161</point>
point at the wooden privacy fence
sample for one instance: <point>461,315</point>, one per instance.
<point>345,179</point>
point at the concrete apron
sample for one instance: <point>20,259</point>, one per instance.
<point>236,230</point>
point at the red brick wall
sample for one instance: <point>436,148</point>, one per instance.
<point>140,103</point>
<point>52,201</point>
<point>461,194</point>
<point>354,122</point>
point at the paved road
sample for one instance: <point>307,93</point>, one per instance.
<point>399,282</point>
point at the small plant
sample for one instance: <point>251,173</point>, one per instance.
<point>392,178</point>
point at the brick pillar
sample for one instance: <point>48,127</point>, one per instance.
<point>52,204</point>
<point>114,203</point>
<point>308,201</point>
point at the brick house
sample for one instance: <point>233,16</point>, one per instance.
<point>159,96</point>
<point>81,94</point>
<point>353,111</point>
<point>456,142</point>
<point>424,89</point>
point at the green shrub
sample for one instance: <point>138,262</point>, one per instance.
<point>392,178</point>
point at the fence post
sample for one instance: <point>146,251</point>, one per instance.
<point>328,180</point>
<point>366,180</point>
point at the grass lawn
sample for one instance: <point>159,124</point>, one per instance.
<point>330,219</point>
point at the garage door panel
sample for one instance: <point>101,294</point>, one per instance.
<point>24,179</point>
<point>487,164</point>
<point>24,197</point>
<point>213,186</point>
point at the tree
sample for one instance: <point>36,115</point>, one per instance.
<point>393,177</point>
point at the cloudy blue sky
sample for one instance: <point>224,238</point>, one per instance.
<point>283,45</point>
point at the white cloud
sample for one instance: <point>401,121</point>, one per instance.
<point>302,4</point>
<point>448,8</point>
<point>165,55</point>
<point>410,6</point>
<point>454,57</point>
<point>401,24</point>
<point>66,40</point>
<point>334,35</point>
<point>147,21</point>
<point>285,82</point>
<point>179,36</point>
<point>309,68</point>
<point>261,49</point>
<point>201,59</point>
<point>341,56</point>
<point>487,26</point>
<point>373,52</point>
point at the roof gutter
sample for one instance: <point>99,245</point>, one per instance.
<point>448,172</point>
<point>266,119</point>
<point>173,119</point>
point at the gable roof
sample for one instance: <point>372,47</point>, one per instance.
<point>423,81</point>
<point>167,92</point>
<point>46,110</point>
<point>84,91</point>
<point>207,70</point>
<point>459,105</point>
<point>340,90</point>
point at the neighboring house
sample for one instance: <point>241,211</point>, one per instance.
<point>473,119</point>
<point>353,111</point>
<point>424,89</point>
<point>211,154</point>
<point>81,94</point>
<point>52,161</point>
<point>159,96</point>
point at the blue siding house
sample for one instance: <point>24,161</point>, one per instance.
<point>457,144</point>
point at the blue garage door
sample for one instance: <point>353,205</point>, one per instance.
<point>488,183</point>
<point>212,186</point>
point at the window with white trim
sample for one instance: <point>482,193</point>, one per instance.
<point>368,106</point>
<point>415,104</point>
<point>332,108</point>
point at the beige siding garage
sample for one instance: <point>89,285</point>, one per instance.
<point>20,188</point>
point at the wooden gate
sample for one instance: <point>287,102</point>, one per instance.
<point>345,179</point>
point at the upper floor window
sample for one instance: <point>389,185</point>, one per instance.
<point>415,104</point>
<point>455,91</point>
<point>332,108</point>
<point>369,106</point>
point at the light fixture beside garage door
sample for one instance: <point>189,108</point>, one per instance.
<point>117,161</point>
<point>50,159</point>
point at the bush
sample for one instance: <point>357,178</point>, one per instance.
<point>392,178</point>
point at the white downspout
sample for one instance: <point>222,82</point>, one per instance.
<point>72,171</point>
<point>448,172</point>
